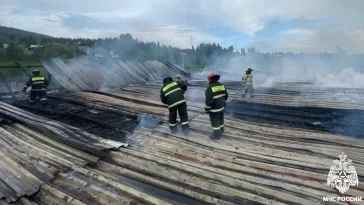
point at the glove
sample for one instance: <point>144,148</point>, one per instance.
<point>25,89</point>
<point>206,110</point>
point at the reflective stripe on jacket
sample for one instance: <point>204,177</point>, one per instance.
<point>37,83</point>
<point>172,93</point>
<point>216,95</point>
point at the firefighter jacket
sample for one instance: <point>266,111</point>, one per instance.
<point>172,93</point>
<point>37,82</point>
<point>247,79</point>
<point>216,95</point>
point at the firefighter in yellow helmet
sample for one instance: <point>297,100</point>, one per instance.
<point>216,96</point>
<point>248,82</point>
<point>38,85</point>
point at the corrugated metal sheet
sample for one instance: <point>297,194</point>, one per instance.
<point>91,74</point>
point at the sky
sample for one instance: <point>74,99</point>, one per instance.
<point>269,25</point>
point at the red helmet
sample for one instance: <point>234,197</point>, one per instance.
<point>210,75</point>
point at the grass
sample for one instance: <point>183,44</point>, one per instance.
<point>12,72</point>
<point>7,63</point>
<point>42,70</point>
<point>9,72</point>
<point>18,73</point>
<point>32,63</point>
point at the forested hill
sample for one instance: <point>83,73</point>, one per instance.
<point>204,55</point>
<point>14,33</point>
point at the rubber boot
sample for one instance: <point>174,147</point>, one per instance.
<point>173,129</point>
<point>215,136</point>
<point>44,102</point>
<point>186,129</point>
<point>222,129</point>
<point>212,137</point>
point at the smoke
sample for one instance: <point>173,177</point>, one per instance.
<point>269,82</point>
<point>347,78</point>
<point>144,121</point>
<point>327,70</point>
<point>147,121</point>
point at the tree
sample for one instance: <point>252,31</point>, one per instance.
<point>243,51</point>
<point>57,50</point>
<point>38,53</point>
<point>14,51</point>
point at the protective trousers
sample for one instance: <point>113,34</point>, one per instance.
<point>250,88</point>
<point>42,96</point>
<point>217,122</point>
<point>182,112</point>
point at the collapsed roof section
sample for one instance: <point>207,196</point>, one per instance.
<point>99,74</point>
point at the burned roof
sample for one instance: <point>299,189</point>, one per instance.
<point>255,162</point>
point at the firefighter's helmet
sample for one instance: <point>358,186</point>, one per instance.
<point>36,72</point>
<point>212,76</point>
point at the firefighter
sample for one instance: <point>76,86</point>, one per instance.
<point>248,82</point>
<point>216,96</point>
<point>172,95</point>
<point>39,84</point>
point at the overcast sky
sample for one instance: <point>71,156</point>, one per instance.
<point>283,25</point>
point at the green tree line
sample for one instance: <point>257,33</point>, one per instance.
<point>201,56</point>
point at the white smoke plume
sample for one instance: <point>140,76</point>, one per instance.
<point>347,78</point>
<point>327,70</point>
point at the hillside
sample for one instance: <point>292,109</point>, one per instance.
<point>7,33</point>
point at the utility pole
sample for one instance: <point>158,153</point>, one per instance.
<point>183,60</point>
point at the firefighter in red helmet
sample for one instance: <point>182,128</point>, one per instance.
<point>39,84</point>
<point>216,96</point>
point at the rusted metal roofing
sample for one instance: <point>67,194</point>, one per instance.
<point>253,163</point>
<point>90,74</point>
